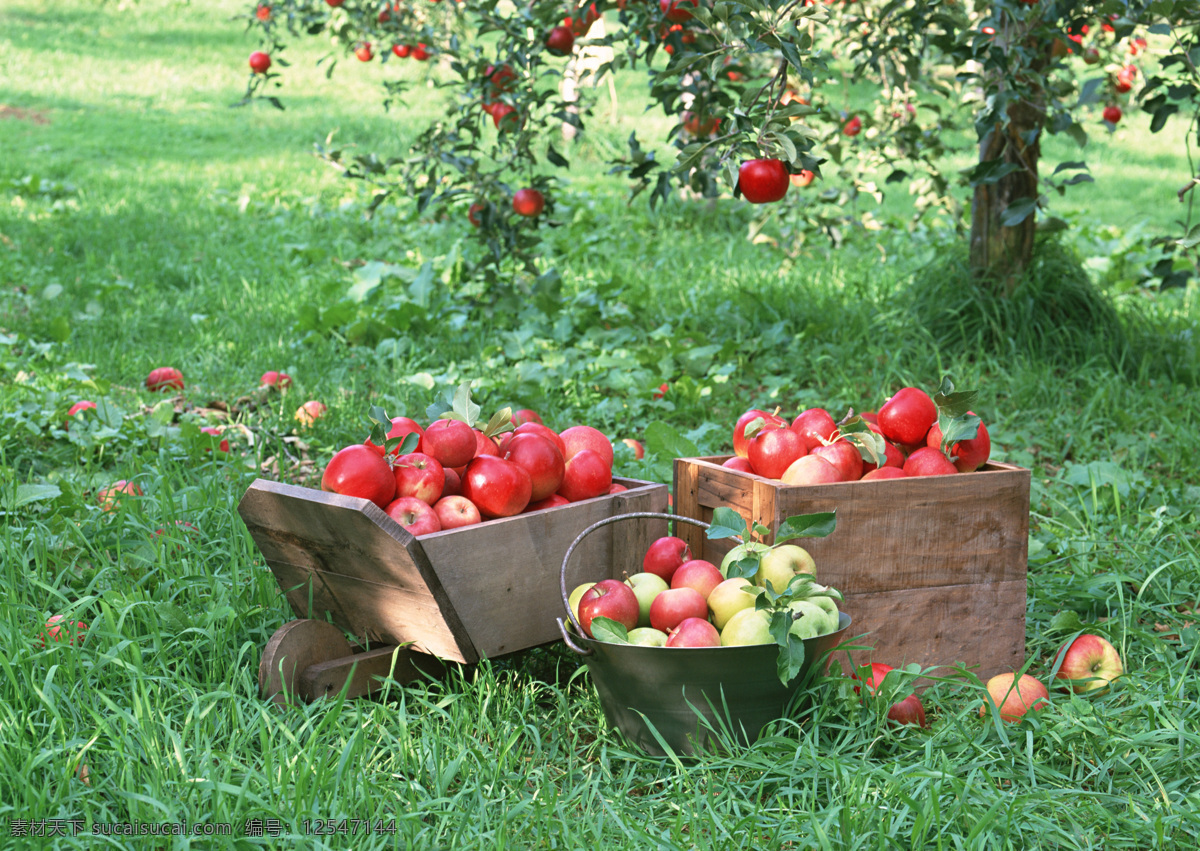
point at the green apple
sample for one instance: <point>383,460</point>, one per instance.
<point>740,552</point>
<point>646,586</point>
<point>573,600</point>
<point>813,620</point>
<point>647,637</point>
<point>729,598</point>
<point>749,626</point>
<point>781,564</point>
<point>826,603</point>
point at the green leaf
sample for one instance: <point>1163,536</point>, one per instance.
<point>500,422</point>
<point>791,648</point>
<point>608,630</point>
<point>955,429</point>
<point>1018,211</point>
<point>665,440</point>
<point>951,403</point>
<point>1067,621</point>
<point>407,444</point>
<point>34,493</point>
<point>727,523</point>
<point>816,525</point>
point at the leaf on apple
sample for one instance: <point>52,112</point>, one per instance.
<point>951,403</point>
<point>406,444</point>
<point>791,648</point>
<point>753,428</point>
<point>500,422</point>
<point>817,525</point>
<point>954,429</point>
<point>609,630</point>
<point>455,405</point>
<point>727,523</point>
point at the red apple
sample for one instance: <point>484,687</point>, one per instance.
<point>968,455</point>
<point>639,451</point>
<point>852,127</point>
<point>665,555</point>
<point>451,442</point>
<point>879,670</point>
<point>259,62</point>
<point>528,202</point>
<point>363,53</point>
<point>455,511</point>
<point>698,574</point>
<point>552,501</point>
<point>615,488</point>
<point>884,473</point>
<point>740,443</point>
<point>358,470</point>
<point>453,486</point>
<point>675,605</point>
<point>415,515</point>
<point>560,40</point>
<point>608,598</point>
<point>498,488</point>
<point>803,178</point>
<point>742,465</point>
<point>164,378</point>
<point>310,412</point>
<point>1112,113</point>
<point>892,456</point>
<point>89,406</point>
<point>524,415</point>
<point>1089,663</point>
<point>816,426</point>
<point>928,461</point>
<point>419,476</point>
<point>811,470</point>
<point>401,427</point>
<point>216,432</point>
<point>402,50</point>
<point>907,417</point>
<point>908,711</point>
<point>694,632</point>
<point>586,475</point>
<point>58,628</point>
<point>539,429</point>
<point>773,450</point>
<point>677,11</point>
<point>541,459</point>
<point>110,497</point>
<point>843,455</point>
<point>420,53</point>
<point>275,380</point>
<point>763,181</point>
<point>580,437</point>
<point>1014,697</point>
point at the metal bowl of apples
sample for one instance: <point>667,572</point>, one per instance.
<point>714,676</point>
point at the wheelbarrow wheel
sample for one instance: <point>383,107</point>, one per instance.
<point>293,648</point>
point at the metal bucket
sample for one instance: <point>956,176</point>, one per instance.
<point>688,700</point>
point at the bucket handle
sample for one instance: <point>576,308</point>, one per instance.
<point>562,575</point>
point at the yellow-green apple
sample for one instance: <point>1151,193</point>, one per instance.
<point>1013,696</point>
<point>664,556</point>
<point>646,636</point>
<point>884,473</point>
<point>646,586</point>
<point>58,628</point>
<point>543,461</point>
<point>748,626</point>
<point>811,470</point>
<point>816,426</point>
<point>673,606</point>
<point>1089,663</point>
<point>576,594</point>
<point>498,488</point>
<point>968,455</point>
<point>729,598</point>
<point>419,475</point>
<point>752,550</point>
<point>740,441</point>
<point>415,515</point>
<point>578,438</point>
<point>164,378</point>
<point>310,412</point>
<point>843,455</point>
<point>773,450</point>
<point>110,497</point>
<point>694,632</point>
<point>702,575</point>
<point>827,603</point>
<point>737,462</point>
<point>357,470</point>
<point>907,416</point>
<point>585,475</point>
<point>928,461</point>
<point>781,564</point>
<point>608,598</point>
<point>907,711</point>
<point>451,442</point>
<point>456,511</point>
<point>811,620</point>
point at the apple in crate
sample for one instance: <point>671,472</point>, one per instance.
<point>451,442</point>
<point>665,555</point>
<point>729,598</point>
<point>740,443</point>
<point>971,454</point>
<point>1015,697</point>
<point>585,476</point>
<point>844,456</point>
<point>928,461</point>
<point>415,515</point>
<point>781,564</point>
<point>811,470</point>
<point>1089,663</point>
<point>540,430</point>
<point>694,632</point>
<point>773,450</point>
<point>578,438</point>
<point>609,598</point>
<point>907,417</point>
<point>357,470</point>
<point>454,512</point>
<point>815,426</point>
<point>420,476</point>
<point>646,586</point>
<point>703,576</point>
<point>675,605</point>
<point>498,488</point>
<point>543,461</point>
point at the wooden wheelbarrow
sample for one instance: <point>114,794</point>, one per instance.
<point>375,602</point>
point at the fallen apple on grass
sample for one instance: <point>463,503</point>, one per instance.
<point>59,629</point>
<point>1015,697</point>
<point>1089,664</point>
<point>163,379</point>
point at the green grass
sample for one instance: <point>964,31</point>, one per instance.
<point>172,229</point>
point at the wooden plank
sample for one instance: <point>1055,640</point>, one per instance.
<point>348,546</point>
<point>503,576</point>
<point>366,673</point>
<point>980,624</point>
<point>631,538</point>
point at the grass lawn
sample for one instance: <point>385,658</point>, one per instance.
<point>143,222</point>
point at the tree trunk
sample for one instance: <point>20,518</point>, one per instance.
<point>1000,253</point>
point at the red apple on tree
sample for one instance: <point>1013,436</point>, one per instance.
<point>259,62</point>
<point>357,470</point>
<point>454,512</point>
<point>852,127</point>
<point>677,11</point>
<point>363,52</point>
<point>763,181</point>
<point>528,202</point>
<point>610,599</point>
<point>560,41</point>
<point>1112,113</point>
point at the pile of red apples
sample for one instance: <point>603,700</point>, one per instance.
<point>814,449</point>
<point>458,475</point>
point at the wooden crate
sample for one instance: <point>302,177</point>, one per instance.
<point>462,594</point>
<point>932,568</point>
